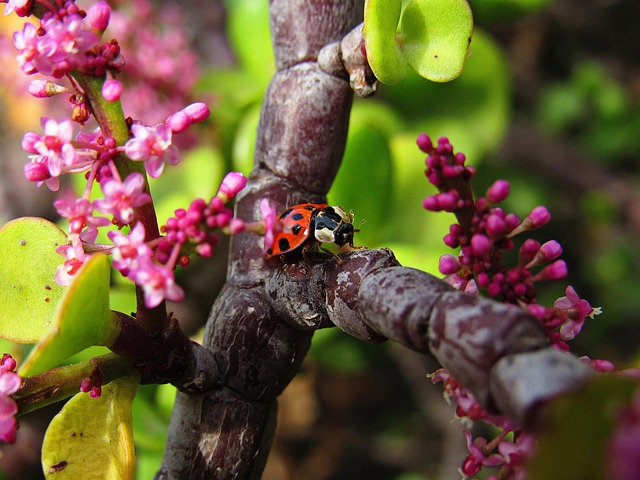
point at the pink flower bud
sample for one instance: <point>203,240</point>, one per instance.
<point>431,204</point>
<point>86,385</point>
<point>99,15</point>
<point>197,112</point>
<point>29,140</point>
<point>448,264</point>
<point>495,226</point>
<point>178,122</point>
<point>236,226</point>
<point>480,245</point>
<point>111,90</point>
<point>204,250</point>
<point>528,250</point>
<point>45,88</point>
<point>424,143</point>
<point>231,185</point>
<point>539,216</point>
<point>512,221</point>
<point>498,191</point>
<point>8,363</point>
<point>36,172</point>
<point>550,250</point>
<point>556,271</point>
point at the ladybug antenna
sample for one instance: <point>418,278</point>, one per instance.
<point>357,229</point>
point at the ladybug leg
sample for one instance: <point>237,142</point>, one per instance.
<point>350,246</point>
<point>338,259</point>
<point>306,250</point>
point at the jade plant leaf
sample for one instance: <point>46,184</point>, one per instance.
<point>379,31</point>
<point>92,438</point>
<point>28,293</point>
<point>83,319</point>
<point>435,37</point>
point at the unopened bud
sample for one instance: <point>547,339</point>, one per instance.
<point>99,15</point>
<point>111,90</point>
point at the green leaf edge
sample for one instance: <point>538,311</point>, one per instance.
<point>385,58</point>
<point>62,340</point>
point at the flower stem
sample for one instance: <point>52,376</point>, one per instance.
<point>63,382</point>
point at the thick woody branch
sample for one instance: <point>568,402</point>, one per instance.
<point>498,351</point>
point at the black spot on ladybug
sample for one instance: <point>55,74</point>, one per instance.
<point>296,229</point>
<point>285,214</point>
<point>310,207</point>
<point>297,216</point>
<point>270,251</point>
<point>283,244</point>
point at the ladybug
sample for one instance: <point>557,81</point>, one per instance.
<point>308,225</point>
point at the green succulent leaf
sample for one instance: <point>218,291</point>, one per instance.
<point>83,319</point>
<point>92,438</point>
<point>379,31</point>
<point>28,293</point>
<point>435,37</point>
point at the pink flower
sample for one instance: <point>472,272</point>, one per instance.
<point>75,258</point>
<point>157,282</point>
<point>153,146</point>
<point>130,249</point>
<point>268,213</point>
<point>80,214</point>
<point>477,457</point>
<point>232,183</point>
<point>121,198</point>
<point>64,45</point>
<point>26,42</point>
<point>575,310</point>
<point>22,8</point>
<point>9,384</point>
<point>55,145</point>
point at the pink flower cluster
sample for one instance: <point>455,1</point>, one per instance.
<point>190,230</point>
<point>162,67</point>
<point>9,384</point>
<point>69,40</point>
<point>510,455</point>
<point>484,234</point>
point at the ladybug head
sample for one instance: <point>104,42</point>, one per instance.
<point>333,225</point>
<point>344,234</point>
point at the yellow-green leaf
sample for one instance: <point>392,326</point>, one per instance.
<point>83,319</point>
<point>28,293</point>
<point>435,37</point>
<point>92,438</point>
<point>379,31</point>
